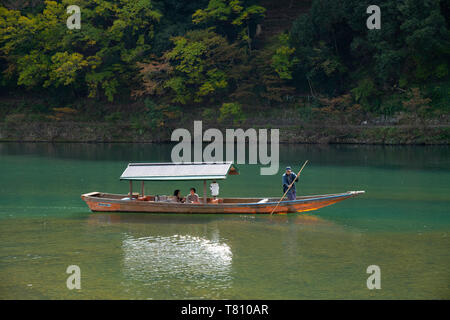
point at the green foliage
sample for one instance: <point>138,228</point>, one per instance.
<point>439,93</point>
<point>417,104</point>
<point>210,114</point>
<point>97,59</point>
<point>155,116</point>
<point>176,21</point>
<point>391,104</point>
<point>202,53</point>
<point>364,92</point>
<point>232,18</point>
<point>216,10</point>
<point>114,117</point>
<point>441,71</point>
<point>64,68</point>
<point>232,111</point>
<point>201,61</point>
<point>283,61</point>
<point>305,112</point>
<point>33,69</point>
<point>334,46</point>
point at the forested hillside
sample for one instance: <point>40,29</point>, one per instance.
<point>153,63</point>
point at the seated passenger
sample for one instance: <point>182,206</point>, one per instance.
<point>192,197</point>
<point>177,196</point>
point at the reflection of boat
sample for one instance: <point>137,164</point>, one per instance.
<point>98,201</point>
<point>158,259</point>
<point>193,219</point>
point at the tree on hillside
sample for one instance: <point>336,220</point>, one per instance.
<point>201,62</point>
<point>336,51</point>
<point>98,59</point>
<point>232,18</point>
<point>417,105</point>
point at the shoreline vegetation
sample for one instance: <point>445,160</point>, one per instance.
<point>138,70</point>
<point>297,134</point>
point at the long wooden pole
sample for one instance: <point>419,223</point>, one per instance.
<point>292,183</point>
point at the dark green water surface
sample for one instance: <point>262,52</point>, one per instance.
<point>401,224</point>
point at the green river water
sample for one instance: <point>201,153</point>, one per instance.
<point>401,224</point>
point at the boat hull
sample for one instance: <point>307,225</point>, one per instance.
<point>101,202</point>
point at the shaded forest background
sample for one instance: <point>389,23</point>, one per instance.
<point>155,64</point>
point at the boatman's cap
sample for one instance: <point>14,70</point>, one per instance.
<point>288,168</point>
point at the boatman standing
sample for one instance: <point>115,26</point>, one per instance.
<point>288,177</point>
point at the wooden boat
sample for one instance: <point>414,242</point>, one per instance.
<point>106,202</point>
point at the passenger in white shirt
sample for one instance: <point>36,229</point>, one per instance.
<point>214,187</point>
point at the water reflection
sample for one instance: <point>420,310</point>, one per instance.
<point>393,157</point>
<point>195,262</point>
<point>203,219</point>
<point>154,218</point>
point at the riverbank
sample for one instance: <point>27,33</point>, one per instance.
<point>314,134</point>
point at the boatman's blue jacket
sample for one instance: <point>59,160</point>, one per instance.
<point>287,180</point>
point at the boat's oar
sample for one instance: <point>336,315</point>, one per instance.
<point>292,183</point>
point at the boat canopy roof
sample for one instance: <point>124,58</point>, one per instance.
<point>179,171</point>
